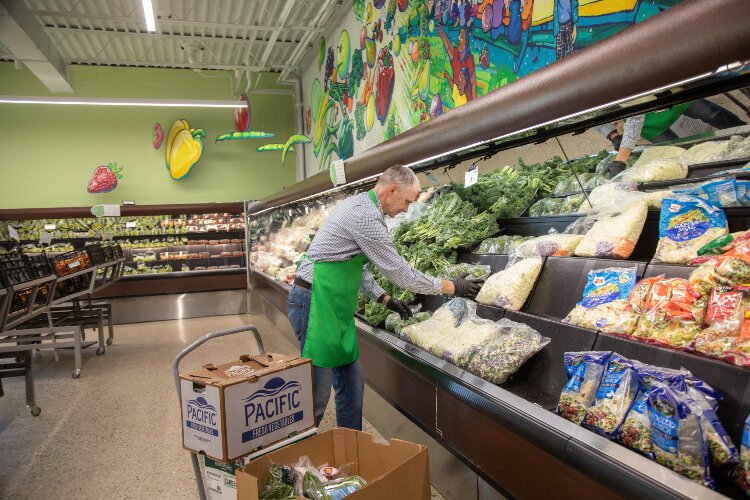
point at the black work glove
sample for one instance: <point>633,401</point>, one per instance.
<point>399,306</point>
<point>466,288</point>
<point>615,167</point>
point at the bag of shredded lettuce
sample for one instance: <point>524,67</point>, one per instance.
<point>511,287</point>
<point>686,223</point>
<point>615,232</point>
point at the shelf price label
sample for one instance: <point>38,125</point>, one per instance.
<point>12,233</point>
<point>338,176</point>
<point>50,227</point>
<point>131,224</point>
<point>471,176</point>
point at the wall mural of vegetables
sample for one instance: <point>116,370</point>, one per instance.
<point>241,136</point>
<point>413,61</point>
<point>184,149</point>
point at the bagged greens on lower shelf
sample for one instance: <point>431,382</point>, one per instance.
<point>676,434</point>
<point>584,371</point>
<point>511,287</point>
<point>493,350</point>
<point>394,323</point>
<point>502,356</point>
<point>686,223</point>
<point>557,244</point>
<point>501,245</point>
<point>614,397</point>
<point>605,303</point>
<point>546,206</point>
<point>721,449</point>
<point>654,170</point>
<point>743,470</point>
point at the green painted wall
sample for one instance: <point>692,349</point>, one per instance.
<point>49,152</point>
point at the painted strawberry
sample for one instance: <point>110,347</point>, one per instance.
<point>104,179</point>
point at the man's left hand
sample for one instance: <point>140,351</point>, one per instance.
<point>399,306</point>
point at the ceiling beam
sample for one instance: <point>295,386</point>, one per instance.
<point>275,35</point>
<point>171,22</point>
<point>22,35</point>
<point>178,65</point>
<point>153,36</point>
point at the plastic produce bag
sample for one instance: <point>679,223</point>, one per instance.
<point>430,334</point>
<point>279,484</point>
<point>743,471</point>
<point>673,313</point>
<point>615,232</point>
<point>546,206</point>
<point>676,433</point>
<point>606,194</point>
<point>723,244</point>
<point>511,287</point>
<point>614,397</point>
<point>686,223</point>
<point>502,356</point>
<point>554,243</point>
<point>652,171</point>
<point>635,432</point>
<point>659,153</point>
<point>737,148</point>
<point>575,203</point>
<point>705,152</point>
<point>465,270</point>
<point>640,291</point>
<point>336,489</point>
<point>605,303</point>
<point>595,181</point>
<point>719,192</point>
<point>584,371</point>
<point>394,323</point>
<point>569,185</point>
<point>471,333</point>
<point>501,245</point>
<point>731,269</point>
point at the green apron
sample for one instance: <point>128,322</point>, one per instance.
<point>331,340</point>
<point>657,122</point>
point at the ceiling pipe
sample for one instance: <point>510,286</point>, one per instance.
<point>695,38</point>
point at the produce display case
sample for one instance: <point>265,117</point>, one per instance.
<point>514,432</point>
<point>165,248</point>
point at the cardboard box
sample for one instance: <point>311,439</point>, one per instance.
<point>397,470</point>
<point>237,407</point>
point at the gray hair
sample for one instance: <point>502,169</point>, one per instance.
<point>403,177</point>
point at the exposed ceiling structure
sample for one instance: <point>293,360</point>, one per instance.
<point>241,35</point>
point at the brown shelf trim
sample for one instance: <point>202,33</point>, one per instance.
<point>126,210</point>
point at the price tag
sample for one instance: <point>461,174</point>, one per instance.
<point>471,176</point>
<point>12,233</point>
<point>106,210</point>
<point>45,238</point>
<point>50,227</point>
<point>338,176</point>
<point>131,224</point>
<point>107,236</point>
<point>74,264</point>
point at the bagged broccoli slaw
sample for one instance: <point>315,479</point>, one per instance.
<point>686,223</point>
<point>584,371</point>
<point>605,303</point>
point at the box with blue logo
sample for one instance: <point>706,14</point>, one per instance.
<point>234,408</point>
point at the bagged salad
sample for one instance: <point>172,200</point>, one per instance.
<point>607,194</point>
<point>705,152</point>
<point>676,434</point>
<point>731,269</point>
<point>605,303</point>
<point>472,333</point>
<point>719,192</point>
<point>585,370</point>
<point>511,287</point>
<point>640,292</point>
<point>394,323</point>
<point>635,432</point>
<point>429,334</point>
<point>615,232</point>
<point>659,153</point>
<point>614,397</point>
<point>654,170</point>
<point>720,447</point>
<point>686,223</point>
<point>673,313</point>
<point>743,470</point>
<point>501,245</point>
<point>478,272</point>
<point>502,356</point>
<point>546,206</point>
<point>723,244</point>
<point>554,243</point>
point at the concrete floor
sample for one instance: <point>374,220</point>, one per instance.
<point>115,432</point>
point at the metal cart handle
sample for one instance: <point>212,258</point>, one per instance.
<point>206,338</point>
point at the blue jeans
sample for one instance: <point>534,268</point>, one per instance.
<point>347,380</point>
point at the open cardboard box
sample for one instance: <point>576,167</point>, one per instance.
<point>396,470</point>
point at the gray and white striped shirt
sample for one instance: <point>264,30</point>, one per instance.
<point>631,130</point>
<point>357,226</point>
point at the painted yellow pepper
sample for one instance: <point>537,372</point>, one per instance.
<point>184,149</point>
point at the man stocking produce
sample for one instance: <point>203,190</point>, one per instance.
<point>323,298</point>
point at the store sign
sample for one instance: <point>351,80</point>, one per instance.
<point>45,238</point>
<point>105,210</point>
<point>338,176</point>
<point>471,176</point>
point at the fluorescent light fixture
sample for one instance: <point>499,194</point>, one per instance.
<point>148,11</point>
<point>92,101</point>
